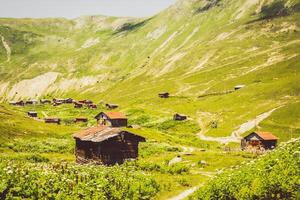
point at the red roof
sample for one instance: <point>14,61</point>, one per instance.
<point>115,115</point>
<point>266,135</point>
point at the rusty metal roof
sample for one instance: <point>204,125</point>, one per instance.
<point>266,135</point>
<point>100,133</point>
<point>116,115</point>
<point>112,115</point>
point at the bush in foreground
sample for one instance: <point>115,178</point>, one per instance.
<point>23,180</point>
<point>275,175</point>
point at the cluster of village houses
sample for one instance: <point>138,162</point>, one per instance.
<point>107,143</point>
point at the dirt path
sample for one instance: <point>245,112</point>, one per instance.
<point>235,135</point>
<point>43,113</point>
<point>185,193</point>
<point>7,48</point>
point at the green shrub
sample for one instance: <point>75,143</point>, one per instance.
<point>275,175</point>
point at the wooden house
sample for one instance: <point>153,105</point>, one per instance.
<point>81,119</point>
<point>92,106</point>
<point>31,102</point>
<point>259,140</point>
<point>106,145</point>
<point>78,105</point>
<point>58,101</point>
<point>237,87</point>
<point>111,106</point>
<point>45,101</point>
<point>32,114</point>
<point>179,117</point>
<point>52,120</point>
<point>86,101</point>
<point>113,119</point>
<point>20,103</point>
<point>68,100</point>
<point>164,95</point>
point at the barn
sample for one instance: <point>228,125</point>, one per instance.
<point>113,119</point>
<point>81,119</point>
<point>106,145</point>
<point>111,106</point>
<point>68,100</point>
<point>78,105</point>
<point>164,95</point>
<point>32,114</point>
<point>92,106</point>
<point>179,117</point>
<point>52,120</point>
<point>259,140</point>
<point>45,101</point>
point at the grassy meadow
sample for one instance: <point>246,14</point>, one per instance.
<point>198,51</point>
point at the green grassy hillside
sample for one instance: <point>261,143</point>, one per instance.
<point>198,50</point>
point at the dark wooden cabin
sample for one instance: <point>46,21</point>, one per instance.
<point>86,101</point>
<point>31,102</point>
<point>106,145</point>
<point>58,101</point>
<point>113,119</point>
<point>111,106</point>
<point>179,117</point>
<point>164,95</point>
<point>81,119</point>
<point>45,101</point>
<point>92,106</point>
<point>32,114</point>
<point>20,103</point>
<point>78,105</point>
<point>52,120</point>
<point>259,140</point>
<point>238,87</point>
<point>68,100</point>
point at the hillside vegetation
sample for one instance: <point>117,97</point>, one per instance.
<point>273,176</point>
<point>198,50</point>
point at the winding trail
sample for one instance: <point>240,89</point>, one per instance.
<point>235,135</point>
<point>186,193</point>
<point>7,48</point>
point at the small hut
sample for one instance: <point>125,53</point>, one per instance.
<point>58,101</point>
<point>20,103</point>
<point>111,106</point>
<point>68,100</point>
<point>237,87</point>
<point>32,114</point>
<point>92,106</point>
<point>78,105</point>
<point>81,119</point>
<point>86,101</point>
<point>52,120</point>
<point>106,145</point>
<point>113,119</point>
<point>45,101</point>
<point>179,117</point>
<point>31,102</point>
<point>259,140</point>
<point>164,95</point>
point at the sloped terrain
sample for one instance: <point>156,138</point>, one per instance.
<point>198,50</point>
